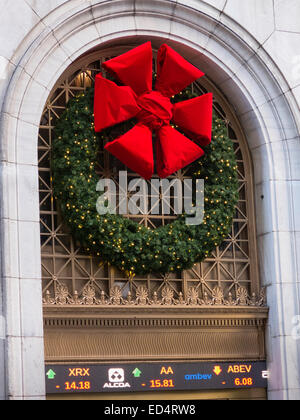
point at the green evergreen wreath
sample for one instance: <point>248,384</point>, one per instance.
<point>122,242</point>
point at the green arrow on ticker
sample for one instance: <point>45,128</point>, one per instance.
<point>51,374</point>
<point>136,373</point>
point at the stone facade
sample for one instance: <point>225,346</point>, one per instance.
<point>250,49</point>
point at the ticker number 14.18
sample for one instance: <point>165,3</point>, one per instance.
<point>77,386</point>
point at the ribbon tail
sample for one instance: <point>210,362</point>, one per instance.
<point>174,73</point>
<point>194,116</point>
<point>135,150</point>
<point>174,151</point>
<point>133,68</point>
<point>112,104</point>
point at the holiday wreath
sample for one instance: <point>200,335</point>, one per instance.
<point>122,242</point>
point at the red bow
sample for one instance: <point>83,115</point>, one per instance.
<point>153,110</point>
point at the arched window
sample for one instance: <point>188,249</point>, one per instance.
<point>70,276</point>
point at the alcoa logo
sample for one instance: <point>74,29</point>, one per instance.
<point>116,378</point>
<point>116,375</point>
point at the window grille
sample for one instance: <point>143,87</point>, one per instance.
<point>70,276</point>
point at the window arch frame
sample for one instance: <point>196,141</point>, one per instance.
<point>64,296</point>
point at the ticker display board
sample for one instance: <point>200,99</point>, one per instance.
<point>158,376</point>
